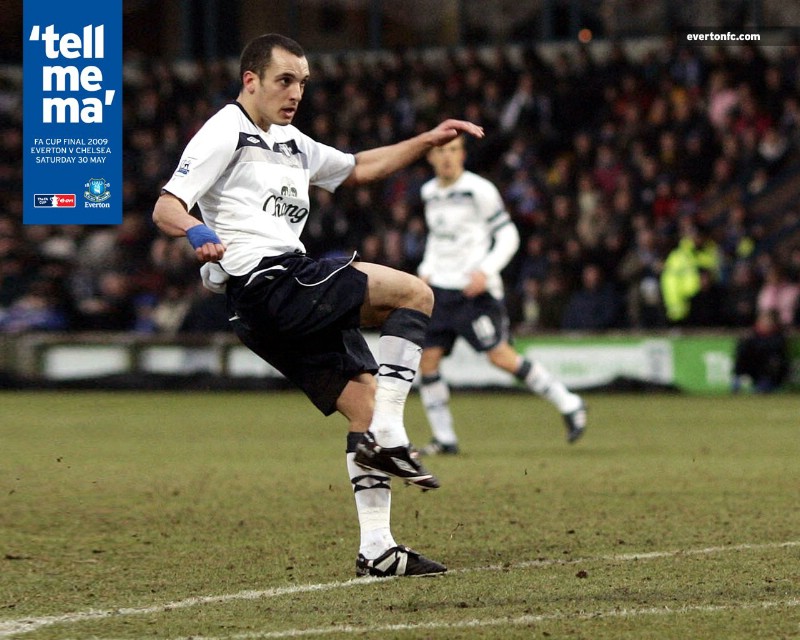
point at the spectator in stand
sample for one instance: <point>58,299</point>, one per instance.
<point>528,302</point>
<point>688,68</point>
<point>35,310</point>
<point>171,308</point>
<point>749,115</point>
<point>789,120</point>
<point>518,157</point>
<point>110,308</point>
<point>610,252</point>
<point>722,99</point>
<point>534,263</point>
<point>393,249</point>
<point>739,301</point>
<point>607,169</point>
<point>639,271</point>
<point>665,205</point>
<point>528,107</point>
<point>669,152</point>
<point>687,202</point>
<point>696,163</point>
<point>648,172</point>
<point>591,224</point>
<point>583,152</point>
<point>587,197</point>
<point>553,298</point>
<point>173,261</point>
<point>595,306</point>
<point>705,306</point>
<point>762,357</point>
<point>560,177</point>
<point>793,265</point>
<point>571,259</point>
<point>413,240</point>
<point>723,176</point>
<point>15,278</point>
<point>736,241</point>
<point>775,91</point>
<point>680,278</point>
<point>623,206</point>
<point>772,151</point>
<point>524,198</point>
<point>371,248</point>
<point>779,294</point>
<point>562,222</point>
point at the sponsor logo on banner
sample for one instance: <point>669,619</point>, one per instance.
<point>49,200</point>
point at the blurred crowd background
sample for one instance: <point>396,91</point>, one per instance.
<point>654,187</point>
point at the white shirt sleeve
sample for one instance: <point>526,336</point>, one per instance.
<point>506,243</point>
<point>505,236</point>
<point>328,166</point>
<point>204,160</point>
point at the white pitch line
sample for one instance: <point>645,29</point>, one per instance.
<point>20,626</point>
<point>629,557</point>
<point>477,623</point>
<point>10,628</point>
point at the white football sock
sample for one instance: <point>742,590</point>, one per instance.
<point>435,396</point>
<point>373,495</point>
<point>399,360</point>
<point>541,381</point>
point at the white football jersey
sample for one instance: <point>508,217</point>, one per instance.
<point>252,185</point>
<point>469,229</point>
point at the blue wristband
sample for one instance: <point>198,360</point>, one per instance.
<point>200,234</point>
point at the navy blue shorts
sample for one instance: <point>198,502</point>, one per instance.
<point>303,316</point>
<point>482,321</point>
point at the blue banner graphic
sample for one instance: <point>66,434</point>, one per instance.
<point>72,112</point>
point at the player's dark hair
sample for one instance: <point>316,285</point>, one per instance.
<point>257,54</point>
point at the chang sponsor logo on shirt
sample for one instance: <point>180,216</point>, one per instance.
<point>286,204</point>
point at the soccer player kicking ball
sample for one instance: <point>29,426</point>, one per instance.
<point>471,239</point>
<point>249,170</point>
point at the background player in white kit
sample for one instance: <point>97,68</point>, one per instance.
<point>249,172</point>
<point>471,239</point>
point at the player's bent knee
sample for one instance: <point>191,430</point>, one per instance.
<point>495,359</point>
<point>422,296</point>
<point>504,357</point>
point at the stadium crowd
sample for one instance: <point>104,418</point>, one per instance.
<point>634,182</point>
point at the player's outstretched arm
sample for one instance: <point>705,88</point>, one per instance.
<point>381,162</point>
<point>170,215</point>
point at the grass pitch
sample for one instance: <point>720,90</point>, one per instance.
<point>223,515</point>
